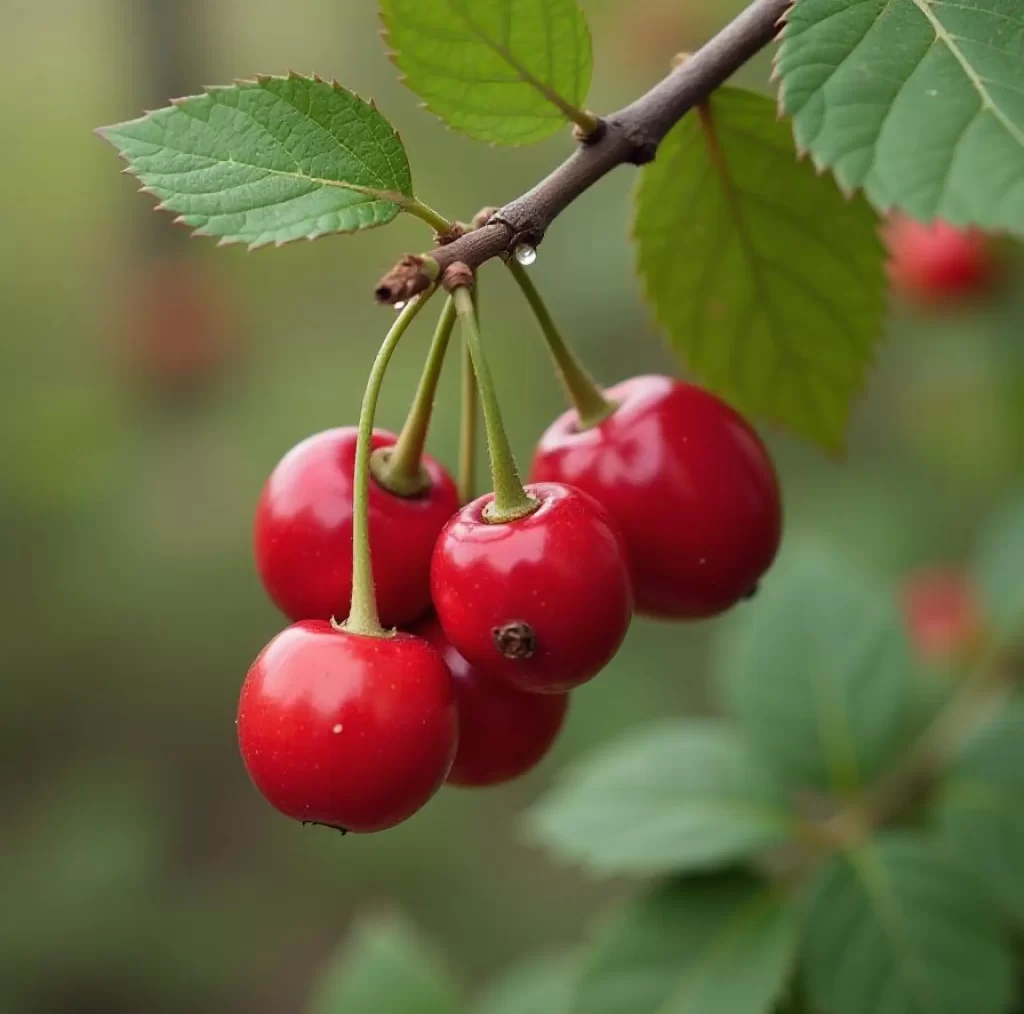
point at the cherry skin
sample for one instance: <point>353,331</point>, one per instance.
<point>345,730</point>
<point>542,602</point>
<point>690,484</point>
<point>942,613</point>
<point>303,532</point>
<point>936,263</point>
<point>503,732</point>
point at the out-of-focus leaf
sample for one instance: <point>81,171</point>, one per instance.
<point>384,968</point>
<point>683,794</point>
<point>540,984</point>
<point>818,672</point>
<point>895,927</point>
<point>719,944</point>
<point>982,808</point>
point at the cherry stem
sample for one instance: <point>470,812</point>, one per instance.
<point>467,432</point>
<point>591,405</point>
<point>511,501</point>
<point>399,469</point>
<point>363,617</point>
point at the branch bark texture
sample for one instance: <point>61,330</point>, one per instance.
<point>628,137</point>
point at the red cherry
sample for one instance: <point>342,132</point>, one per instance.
<point>937,262</point>
<point>303,532</point>
<point>690,484</point>
<point>350,731</point>
<point>542,602</point>
<point>503,732</point>
<point>942,612</point>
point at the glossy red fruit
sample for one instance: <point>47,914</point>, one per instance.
<point>937,262</point>
<point>942,612</point>
<point>690,484</point>
<point>303,532</point>
<point>350,731</point>
<point>542,602</point>
<point>503,732</point>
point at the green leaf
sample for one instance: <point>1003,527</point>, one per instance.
<point>999,572</point>
<point>503,71</point>
<point>539,985</point>
<point>982,808</point>
<point>270,161</point>
<point>720,944</point>
<point>817,670</point>
<point>896,928</point>
<point>682,794</point>
<point>384,968</point>
<point>769,282</point>
<point>917,101</point>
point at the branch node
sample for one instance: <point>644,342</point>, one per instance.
<point>412,275</point>
<point>529,232</point>
<point>589,137</point>
<point>457,231</point>
<point>483,217</point>
<point>457,276</point>
<point>642,141</point>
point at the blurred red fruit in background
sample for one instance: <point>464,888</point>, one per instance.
<point>178,334</point>
<point>942,614</point>
<point>938,263</point>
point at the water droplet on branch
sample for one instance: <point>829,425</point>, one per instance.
<point>525,254</point>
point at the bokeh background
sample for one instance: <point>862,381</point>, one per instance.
<point>149,382</point>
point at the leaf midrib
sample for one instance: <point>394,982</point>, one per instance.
<point>563,105</point>
<point>391,196</point>
<point>976,80</point>
<point>871,871</point>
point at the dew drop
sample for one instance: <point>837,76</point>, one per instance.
<point>337,729</point>
<point>400,306</point>
<point>525,254</point>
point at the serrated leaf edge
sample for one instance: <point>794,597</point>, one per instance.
<point>392,53</point>
<point>401,201</point>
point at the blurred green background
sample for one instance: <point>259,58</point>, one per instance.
<point>149,384</point>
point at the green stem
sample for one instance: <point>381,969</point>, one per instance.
<point>510,499</point>
<point>424,213</point>
<point>467,434</point>
<point>363,617</point>
<point>589,400</point>
<point>400,468</point>
<point>470,410</point>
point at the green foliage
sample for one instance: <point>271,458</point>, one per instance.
<point>894,927</point>
<point>719,944</point>
<point>384,968</point>
<point>769,283</point>
<point>270,161</point>
<point>540,984</point>
<point>684,794</point>
<point>817,672</point>
<point>982,808</point>
<point>502,72</point>
<point>919,103</point>
<point>999,571</point>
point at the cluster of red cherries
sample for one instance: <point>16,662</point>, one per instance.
<point>669,505</point>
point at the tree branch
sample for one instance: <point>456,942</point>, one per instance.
<point>630,137</point>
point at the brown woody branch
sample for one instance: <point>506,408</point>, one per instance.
<point>629,137</point>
